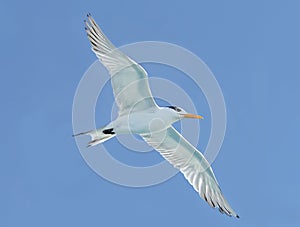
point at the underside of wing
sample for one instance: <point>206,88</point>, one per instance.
<point>184,156</point>
<point>129,79</point>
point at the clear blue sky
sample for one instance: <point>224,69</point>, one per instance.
<point>251,46</point>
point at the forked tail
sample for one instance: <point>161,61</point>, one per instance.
<point>98,136</point>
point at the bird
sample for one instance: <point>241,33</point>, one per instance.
<point>139,114</point>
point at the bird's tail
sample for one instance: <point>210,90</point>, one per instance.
<point>97,136</point>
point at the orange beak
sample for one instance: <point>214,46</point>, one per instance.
<point>192,116</point>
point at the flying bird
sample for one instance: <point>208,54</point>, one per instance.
<point>139,114</point>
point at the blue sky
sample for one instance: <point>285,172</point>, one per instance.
<point>253,49</point>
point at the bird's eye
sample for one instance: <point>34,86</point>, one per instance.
<point>175,108</point>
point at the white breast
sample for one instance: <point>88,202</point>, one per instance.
<point>142,122</point>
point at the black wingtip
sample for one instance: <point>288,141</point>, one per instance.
<point>237,216</point>
<point>88,15</point>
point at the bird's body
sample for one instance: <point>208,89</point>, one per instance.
<point>144,122</point>
<point>139,114</point>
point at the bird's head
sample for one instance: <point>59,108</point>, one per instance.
<point>180,113</point>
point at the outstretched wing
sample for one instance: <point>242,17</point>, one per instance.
<point>129,80</point>
<point>185,157</point>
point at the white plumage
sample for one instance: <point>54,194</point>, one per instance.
<point>138,113</point>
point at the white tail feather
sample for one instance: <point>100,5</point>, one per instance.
<point>97,136</point>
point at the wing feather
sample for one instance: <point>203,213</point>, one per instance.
<point>195,168</point>
<point>129,80</point>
